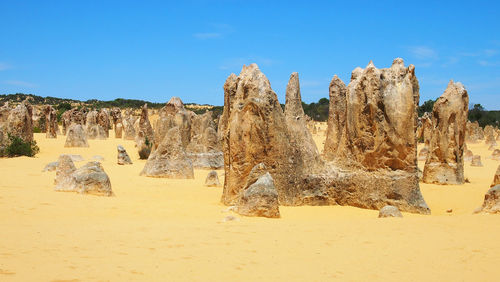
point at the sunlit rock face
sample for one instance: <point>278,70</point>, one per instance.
<point>372,162</point>
<point>254,131</point>
<point>445,163</point>
<point>336,118</point>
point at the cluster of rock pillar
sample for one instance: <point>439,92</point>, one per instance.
<point>370,154</point>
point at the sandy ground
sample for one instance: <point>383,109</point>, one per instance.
<point>170,230</point>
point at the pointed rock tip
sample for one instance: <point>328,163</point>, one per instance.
<point>249,68</point>
<point>370,64</point>
<point>398,61</point>
<point>176,101</point>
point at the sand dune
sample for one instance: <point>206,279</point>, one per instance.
<point>170,230</point>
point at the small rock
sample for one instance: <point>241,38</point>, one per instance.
<point>389,211</point>
<point>212,179</point>
<point>98,158</point>
<point>476,161</point>
<point>260,199</point>
<point>230,218</point>
<point>123,157</point>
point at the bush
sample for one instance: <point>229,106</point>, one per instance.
<point>18,147</point>
<point>36,129</point>
<point>146,150</point>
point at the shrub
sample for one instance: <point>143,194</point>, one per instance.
<point>17,147</point>
<point>36,129</point>
<point>145,150</point>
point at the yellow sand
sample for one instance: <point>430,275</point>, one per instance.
<point>170,230</point>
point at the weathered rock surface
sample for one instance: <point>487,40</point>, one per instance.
<point>376,161</point>
<point>374,164</point>
<point>381,118</point>
<point>473,133</point>
<point>491,202</point>
<point>118,130</point>
<point>489,134</point>
<point>300,137</point>
<point>260,198</point>
<point>116,118</point>
<point>76,158</point>
<point>496,155</point>
<point>93,128</point>
<point>204,148</point>
<point>64,174</point>
<point>496,178</point>
<point>445,164</point>
<point>50,122</point>
<point>19,122</point>
<point>123,157</point>
<point>336,118</point>
<point>76,136</point>
<point>212,179</point>
<point>426,121</point>
<point>254,131</point>
<point>77,116</point>
<point>128,128</point>
<point>144,134</point>
<point>389,211</point>
<point>476,161</point>
<point>169,160</point>
<point>89,179</point>
<point>50,166</point>
<point>103,122</point>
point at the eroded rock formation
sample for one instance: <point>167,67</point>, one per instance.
<point>144,133</point>
<point>88,179</point>
<point>473,133</point>
<point>50,122</point>
<point>496,155</point>
<point>123,157</point>
<point>300,137</point>
<point>76,136</point>
<point>204,148</point>
<point>389,211</point>
<point>445,164</point>
<point>212,179</point>
<point>259,198</point>
<point>128,128</point>
<point>491,202</point>
<point>489,134</point>
<point>94,125</point>
<point>496,178</point>
<point>374,163</point>
<point>169,160</point>
<point>19,122</point>
<point>254,131</point>
<point>336,118</point>
<point>476,161</point>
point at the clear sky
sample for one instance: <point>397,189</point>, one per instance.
<point>154,50</point>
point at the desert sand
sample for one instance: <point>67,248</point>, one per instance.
<point>158,229</point>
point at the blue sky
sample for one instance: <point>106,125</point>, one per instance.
<point>155,50</point>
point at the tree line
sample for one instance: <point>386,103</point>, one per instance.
<point>317,111</point>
